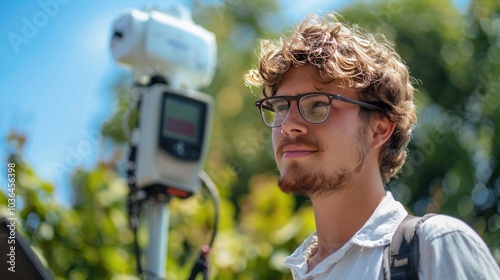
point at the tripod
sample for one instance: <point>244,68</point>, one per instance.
<point>156,201</point>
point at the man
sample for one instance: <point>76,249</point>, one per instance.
<point>340,104</point>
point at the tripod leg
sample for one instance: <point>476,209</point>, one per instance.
<point>157,218</point>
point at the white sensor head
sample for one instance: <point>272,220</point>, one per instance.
<point>171,45</point>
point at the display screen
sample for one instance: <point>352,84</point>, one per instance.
<point>181,120</point>
<point>182,126</point>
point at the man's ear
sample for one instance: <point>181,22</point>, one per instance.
<point>382,129</point>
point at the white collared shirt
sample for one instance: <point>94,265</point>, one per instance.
<point>449,249</point>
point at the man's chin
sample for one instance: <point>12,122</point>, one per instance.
<point>298,183</point>
<point>310,184</point>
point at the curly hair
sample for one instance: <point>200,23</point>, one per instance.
<point>362,61</point>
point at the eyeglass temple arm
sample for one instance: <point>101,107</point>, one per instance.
<point>359,103</point>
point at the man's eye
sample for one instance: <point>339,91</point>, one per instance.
<point>319,104</point>
<point>279,105</point>
<point>317,108</point>
<point>282,107</point>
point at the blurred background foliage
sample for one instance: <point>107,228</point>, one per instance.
<point>452,168</point>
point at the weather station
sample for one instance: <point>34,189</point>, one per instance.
<point>170,57</point>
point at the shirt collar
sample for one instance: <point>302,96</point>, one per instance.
<point>382,224</point>
<point>377,231</point>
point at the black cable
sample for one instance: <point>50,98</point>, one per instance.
<point>215,197</point>
<point>201,263</point>
<point>133,206</point>
<point>133,200</point>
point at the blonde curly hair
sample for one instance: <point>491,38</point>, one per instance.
<point>362,62</point>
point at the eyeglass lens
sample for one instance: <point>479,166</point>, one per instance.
<point>314,108</point>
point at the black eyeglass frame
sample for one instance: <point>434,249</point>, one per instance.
<point>297,98</point>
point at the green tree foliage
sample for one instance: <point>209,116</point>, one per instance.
<point>89,240</point>
<point>482,111</point>
<point>452,167</point>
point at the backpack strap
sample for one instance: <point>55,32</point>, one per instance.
<point>401,257</point>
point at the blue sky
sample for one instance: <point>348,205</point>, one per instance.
<point>56,74</point>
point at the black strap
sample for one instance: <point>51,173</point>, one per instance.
<point>401,257</point>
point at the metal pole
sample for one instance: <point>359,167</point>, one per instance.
<point>157,214</point>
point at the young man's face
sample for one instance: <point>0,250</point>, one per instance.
<point>318,158</point>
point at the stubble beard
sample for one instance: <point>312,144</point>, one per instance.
<point>313,183</point>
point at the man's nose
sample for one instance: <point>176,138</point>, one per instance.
<point>293,124</point>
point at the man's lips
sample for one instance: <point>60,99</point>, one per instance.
<point>297,148</point>
<point>296,151</point>
<point>296,154</point>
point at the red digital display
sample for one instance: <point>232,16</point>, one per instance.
<point>180,126</point>
<point>182,120</point>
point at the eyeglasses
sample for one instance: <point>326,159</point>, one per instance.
<point>314,107</point>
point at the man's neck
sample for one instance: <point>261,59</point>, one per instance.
<point>341,214</point>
